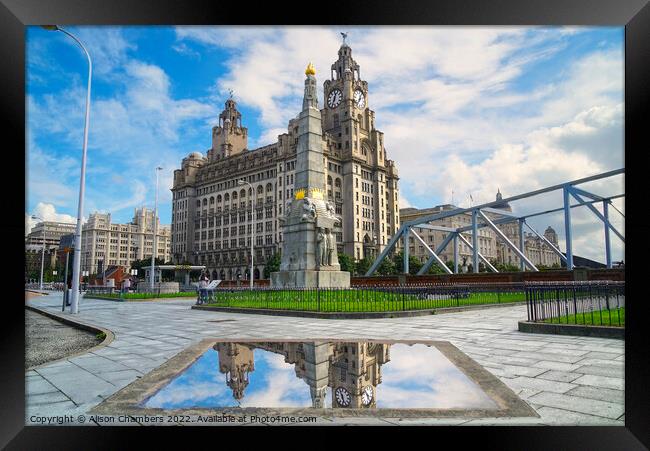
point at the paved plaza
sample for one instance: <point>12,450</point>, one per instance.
<point>567,380</point>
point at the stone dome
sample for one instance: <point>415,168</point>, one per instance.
<point>501,205</point>
<point>196,155</point>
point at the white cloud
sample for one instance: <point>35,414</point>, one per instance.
<point>48,213</point>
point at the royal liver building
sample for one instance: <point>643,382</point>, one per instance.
<point>214,216</point>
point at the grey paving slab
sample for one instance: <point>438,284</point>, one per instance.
<point>553,416</point>
<point>559,356</point>
<point>558,366</point>
<point>46,398</point>
<point>518,370</point>
<point>120,377</point>
<point>603,355</point>
<point>576,404</point>
<point>525,393</point>
<point>596,370</point>
<point>560,376</point>
<point>615,383</point>
<point>80,385</point>
<point>600,393</point>
<point>539,384</point>
<point>517,361</point>
<point>38,385</point>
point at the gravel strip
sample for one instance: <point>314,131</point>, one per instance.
<point>47,339</point>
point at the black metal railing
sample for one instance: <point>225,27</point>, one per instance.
<point>598,303</point>
<point>370,299</point>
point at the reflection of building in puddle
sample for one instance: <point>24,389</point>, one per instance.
<point>235,361</point>
<point>351,370</point>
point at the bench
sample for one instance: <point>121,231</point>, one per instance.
<point>208,292</point>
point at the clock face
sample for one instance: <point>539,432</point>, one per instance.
<point>359,98</point>
<point>366,396</point>
<point>343,397</point>
<point>334,99</point>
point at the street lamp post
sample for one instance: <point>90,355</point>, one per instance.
<point>76,265</point>
<point>240,183</point>
<point>155,235</point>
<point>40,284</point>
<point>65,279</point>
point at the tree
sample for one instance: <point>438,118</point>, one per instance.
<point>506,267</point>
<point>347,263</point>
<point>363,266</point>
<point>272,265</point>
<point>139,264</point>
<point>414,263</point>
<point>435,269</point>
<point>386,267</point>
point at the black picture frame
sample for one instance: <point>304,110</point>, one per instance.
<point>633,14</point>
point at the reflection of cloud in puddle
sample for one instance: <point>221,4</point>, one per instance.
<point>200,385</point>
<point>281,386</point>
<point>419,376</point>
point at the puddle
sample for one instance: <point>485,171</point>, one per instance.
<point>321,374</point>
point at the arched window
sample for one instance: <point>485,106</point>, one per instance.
<point>337,183</point>
<point>205,202</point>
<point>269,187</point>
<point>242,193</point>
<point>260,190</point>
<point>219,199</point>
<point>234,195</point>
<point>226,197</point>
<point>211,200</point>
<point>198,204</point>
<point>329,180</point>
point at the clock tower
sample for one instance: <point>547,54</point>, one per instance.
<point>346,95</point>
<point>355,148</point>
<point>355,372</point>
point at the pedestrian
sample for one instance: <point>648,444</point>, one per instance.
<point>203,283</point>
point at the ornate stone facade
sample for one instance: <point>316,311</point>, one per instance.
<point>213,217</point>
<point>105,244</point>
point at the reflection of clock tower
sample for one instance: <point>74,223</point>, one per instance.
<point>355,373</point>
<point>368,180</point>
<point>235,361</point>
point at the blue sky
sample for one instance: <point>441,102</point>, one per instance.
<point>463,109</point>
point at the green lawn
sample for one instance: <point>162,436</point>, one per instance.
<point>613,317</point>
<point>352,300</point>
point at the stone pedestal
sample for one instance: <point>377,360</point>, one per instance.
<point>164,287</point>
<point>309,258</point>
<point>310,279</point>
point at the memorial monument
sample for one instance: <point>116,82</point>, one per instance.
<point>309,257</point>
